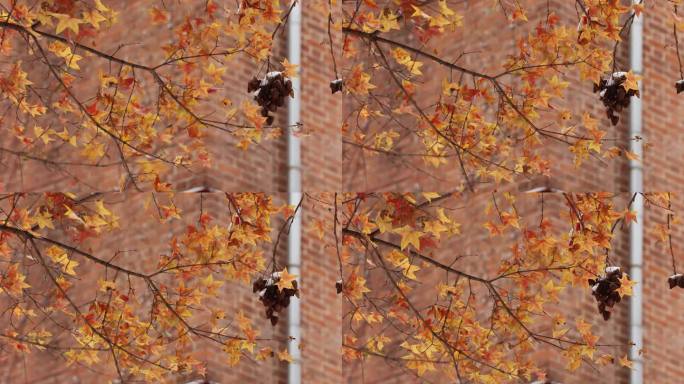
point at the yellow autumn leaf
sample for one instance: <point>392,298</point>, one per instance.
<point>430,195</point>
<point>409,236</point>
<point>72,215</point>
<point>285,280</point>
<point>13,281</point>
<point>264,353</point>
<point>93,150</point>
<point>101,210</point>
<point>284,355</point>
<point>290,70</point>
<point>626,362</point>
<point>44,220</point>
<point>66,22</point>
<point>409,270</point>
<point>631,81</point>
<point>211,284</point>
<point>68,267</point>
<point>358,81</point>
<point>625,286</point>
<point>93,18</point>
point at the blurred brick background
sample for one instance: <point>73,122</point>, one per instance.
<point>327,166</point>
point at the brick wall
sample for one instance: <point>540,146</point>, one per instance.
<point>330,166</point>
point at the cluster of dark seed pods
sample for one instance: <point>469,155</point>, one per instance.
<point>613,95</point>
<point>273,298</point>
<point>679,86</point>
<point>604,290</point>
<point>336,85</point>
<point>676,281</point>
<point>270,93</point>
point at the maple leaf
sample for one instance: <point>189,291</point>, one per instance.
<point>101,210</point>
<point>435,227</point>
<point>396,257</point>
<point>493,228</point>
<point>69,266</point>
<point>246,327</point>
<point>625,286</point>
<point>417,12</point>
<point>64,51</point>
<point>631,155</point>
<point>211,285</point>
<point>94,18</point>
<point>605,359</point>
<point>384,223</point>
<point>409,236</point>
<point>355,285</point>
<point>626,362</point>
<point>365,225</point>
<point>232,349</point>
<point>13,281</point>
<point>552,290</point>
<point>72,215</point>
<point>170,212</point>
<point>59,256</point>
<point>638,9</point>
<point>358,82</point>
<point>631,81</point>
<point>630,216</point>
<point>72,61</point>
<point>409,270</point>
<point>318,227</point>
<point>378,342</point>
<point>284,355</point>
<point>430,195</point>
<point>253,114</point>
<point>518,14</point>
<point>93,150</point>
<point>558,86</point>
<point>106,285</point>
<point>441,215</point>
<point>44,220</point>
<point>582,326</point>
<point>559,333</point>
<point>511,219</point>
<point>264,353</point>
<point>285,280</point>
<point>101,7</point>
<point>158,16</point>
<point>215,72</point>
<point>66,22</point>
<point>405,59</point>
<point>421,366</point>
<point>290,70</point>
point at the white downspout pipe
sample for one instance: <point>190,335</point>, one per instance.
<point>294,191</point>
<point>636,185</point>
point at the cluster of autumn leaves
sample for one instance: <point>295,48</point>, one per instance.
<point>140,315</point>
<point>121,118</point>
<point>488,322</point>
<point>486,319</point>
<point>494,124</point>
<point>411,295</point>
<point>149,136</point>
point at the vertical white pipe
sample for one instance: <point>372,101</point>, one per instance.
<point>294,189</point>
<point>636,185</point>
